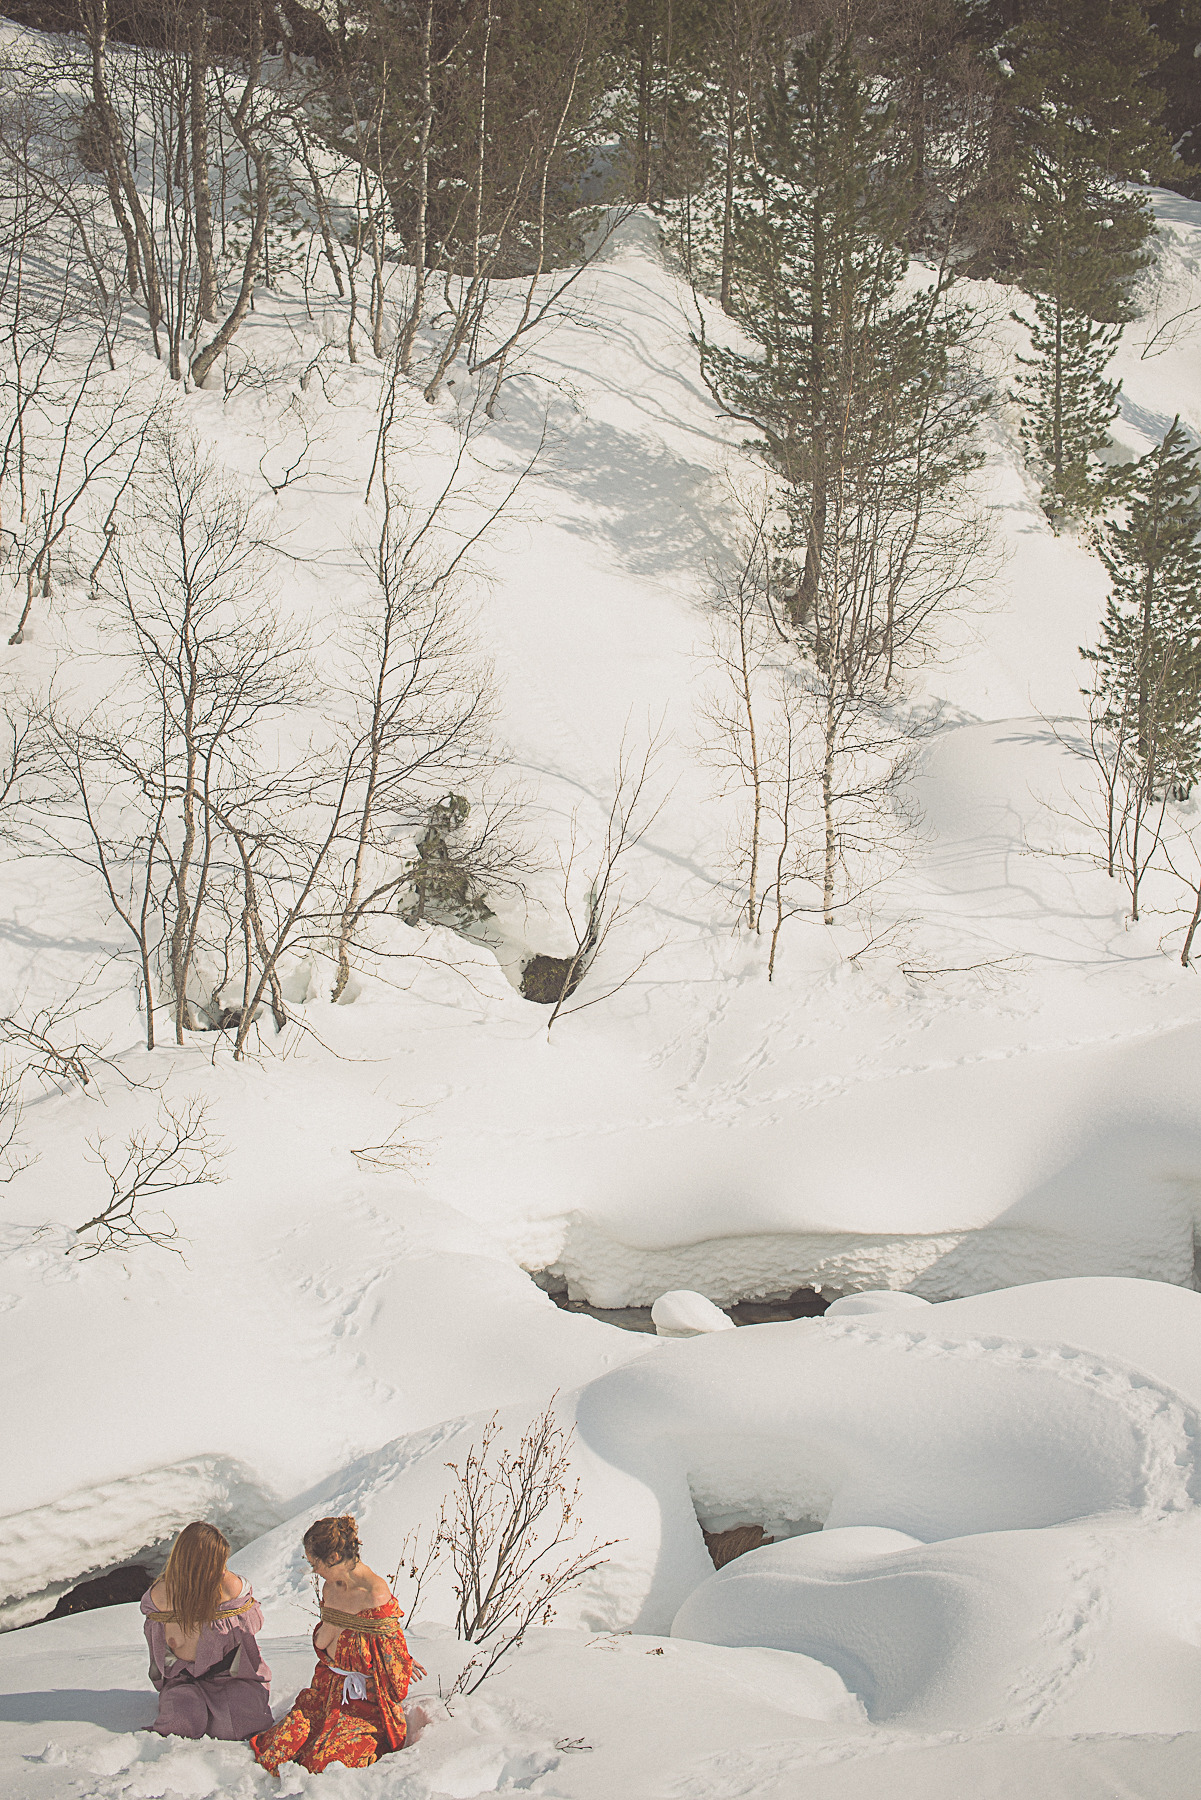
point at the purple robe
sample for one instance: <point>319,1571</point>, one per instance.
<point>224,1692</point>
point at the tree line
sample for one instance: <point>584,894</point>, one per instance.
<point>829,174</point>
<point>461,137</point>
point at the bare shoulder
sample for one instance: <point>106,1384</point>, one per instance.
<point>381,1593</point>
<point>231,1585</point>
<point>158,1594</point>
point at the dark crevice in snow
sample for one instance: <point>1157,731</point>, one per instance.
<point>86,1537</point>
<point>120,1587</point>
<point>802,1303</point>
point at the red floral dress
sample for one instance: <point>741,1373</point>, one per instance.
<point>352,1711</point>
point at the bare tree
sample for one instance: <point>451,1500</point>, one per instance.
<point>509,1521</point>
<point>1132,788</point>
<point>108,811</point>
<point>13,1160</point>
<point>807,728</point>
<point>178,1152</point>
<point>420,715</point>
<point>345,836</point>
<point>250,116</point>
<point>48,1043</point>
<point>72,429</point>
<point>88,435</point>
<point>189,599</point>
<point>422,1553</point>
<point>111,141</point>
<point>731,716</point>
<point>396,1153</point>
<point>595,906</point>
<point>199,664</point>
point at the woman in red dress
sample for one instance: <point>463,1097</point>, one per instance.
<point>352,1710</point>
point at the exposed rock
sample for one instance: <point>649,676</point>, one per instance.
<point>544,979</point>
<point>805,1303</point>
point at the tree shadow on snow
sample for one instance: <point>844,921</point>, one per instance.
<point>1153,425</point>
<point>655,510</point>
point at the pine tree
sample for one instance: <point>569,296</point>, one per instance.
<point>1148,659</point>
<point>1085,122</point>
<point>852,371</point>
<point>1177,26</point>
<point>1081,91</point>
<point>1069,406</point>
<point>864,411</point>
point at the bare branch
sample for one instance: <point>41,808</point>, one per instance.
<point>178,1153</point>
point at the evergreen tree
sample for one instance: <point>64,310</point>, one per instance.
<point>927,57</point>
<point>1069,406</point>
<point>1085,122</point>
<point>1148,659</point>
<point>864,411</point>
<point>1177,25</point>
<point>852,373</point>
<point>666,46</point>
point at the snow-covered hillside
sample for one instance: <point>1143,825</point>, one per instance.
<point>1001,1092</point>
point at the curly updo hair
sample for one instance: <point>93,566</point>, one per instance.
<point>334,1540</point>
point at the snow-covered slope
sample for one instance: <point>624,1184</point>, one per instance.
<point>1003,1093</point>
<point>1028,1113</point>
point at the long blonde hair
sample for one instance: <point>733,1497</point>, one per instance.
<point>192,1577</point>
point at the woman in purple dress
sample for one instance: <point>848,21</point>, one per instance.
<point>201,1622</point>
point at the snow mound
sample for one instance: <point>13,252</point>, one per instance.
<point>1001,1630</point>
<point>1150,1324</point>
<point>875,1300</point>
<point>683,1314</point>
<point>883,1424</point>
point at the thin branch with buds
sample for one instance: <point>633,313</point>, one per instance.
<point>151,1164</point>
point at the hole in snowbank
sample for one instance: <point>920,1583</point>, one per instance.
<point>120,1587</point>
<point>724,1546</point>
<point>545,979</point>
<point>802,1303</point>
<point>726,1542</point>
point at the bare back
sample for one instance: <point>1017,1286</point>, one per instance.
<point>182,1644</point>
<point>359,1592</point>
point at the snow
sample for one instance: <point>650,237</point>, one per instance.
<point>1006,1582</point>
<point>984,1501</point>
<point>874,1300</point>
<point>684,1314</point>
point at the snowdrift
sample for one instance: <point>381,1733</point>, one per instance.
<point>1010,1513</point>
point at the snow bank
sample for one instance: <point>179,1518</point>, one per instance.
<point>1147,1324</point>
<point>874,1300</point>
<point>355,1310</point>
<point>45,1550</point>
<point>884,1425</point>
<point>999,1630</point>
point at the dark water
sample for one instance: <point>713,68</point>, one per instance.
<point>805,1303</point>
